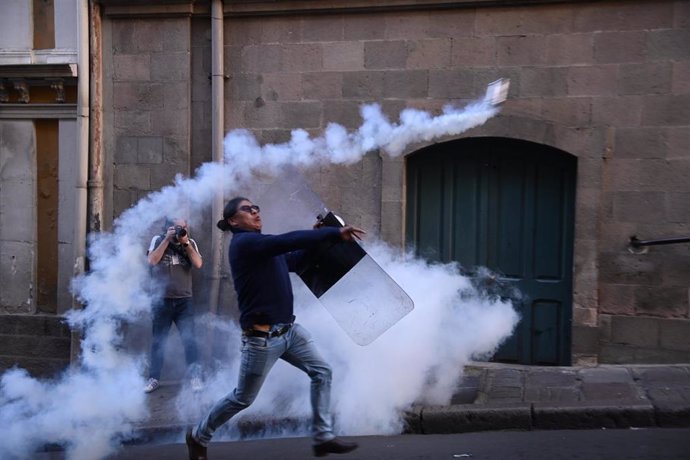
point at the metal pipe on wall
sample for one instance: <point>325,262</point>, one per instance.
<point>96,197</point>
<point>82,166</point>
<point>217,127</point>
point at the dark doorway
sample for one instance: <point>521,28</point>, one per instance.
<point>507,205</point>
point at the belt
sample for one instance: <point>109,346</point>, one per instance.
<point>266,335</point>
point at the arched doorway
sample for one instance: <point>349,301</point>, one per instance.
<point>507,205</point>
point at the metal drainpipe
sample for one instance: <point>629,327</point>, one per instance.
<point>217,127</point>
<point>80,195</point>
<point>96,161</point>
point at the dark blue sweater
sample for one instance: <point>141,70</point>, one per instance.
<point>260,267</point>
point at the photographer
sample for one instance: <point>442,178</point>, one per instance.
<point>172,256</point>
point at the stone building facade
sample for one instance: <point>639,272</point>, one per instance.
<point>606,82</point>
<point>42,178</point>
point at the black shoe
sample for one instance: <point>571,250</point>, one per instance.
<point>196,450</point>
<point>334,446</point>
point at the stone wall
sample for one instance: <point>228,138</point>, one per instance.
<point>18,247</point>
<point>607,82</point>
<point>38,343</point>
<point>148,105</point>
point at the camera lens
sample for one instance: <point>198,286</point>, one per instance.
<point>179,231</point>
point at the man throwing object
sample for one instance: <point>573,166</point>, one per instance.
<point>260,266</point>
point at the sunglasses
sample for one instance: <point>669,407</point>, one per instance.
<point>251,208</point>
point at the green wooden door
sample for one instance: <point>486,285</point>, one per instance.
<point>507,205</point>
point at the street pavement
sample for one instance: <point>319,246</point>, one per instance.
<point>495,396</point>
<point>630,444</point>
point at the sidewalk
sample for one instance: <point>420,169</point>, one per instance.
<point>512,397</point>
<point>528,397</point>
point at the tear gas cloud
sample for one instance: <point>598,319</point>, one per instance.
<point>91,407</point>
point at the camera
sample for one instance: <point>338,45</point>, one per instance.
<point>180,231</point>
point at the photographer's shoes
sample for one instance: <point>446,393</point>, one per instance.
<point>196,450</point>
<point>334,446</point>
<point>151,385</point>
<point>197,384</point>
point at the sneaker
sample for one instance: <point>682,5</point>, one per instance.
<point>151,385</point>
<point>197,384</point>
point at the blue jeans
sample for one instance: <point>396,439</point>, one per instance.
<point>169,311</point>
<point>258,357</point>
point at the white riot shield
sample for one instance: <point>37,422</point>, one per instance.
<point>363,299</point>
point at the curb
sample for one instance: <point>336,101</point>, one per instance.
<point>600,414</point>
<point>466,418</point>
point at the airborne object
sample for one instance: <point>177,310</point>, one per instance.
<point>497,91</point>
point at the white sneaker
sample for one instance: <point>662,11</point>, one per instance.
<point>151,385</point>
<point>197,384</point>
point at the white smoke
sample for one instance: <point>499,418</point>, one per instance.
<point>338,146</point>
<point>419,360</point>
<point>92,406</point>
<point>422,357</point>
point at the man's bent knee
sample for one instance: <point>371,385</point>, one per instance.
<point>321,373</point>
